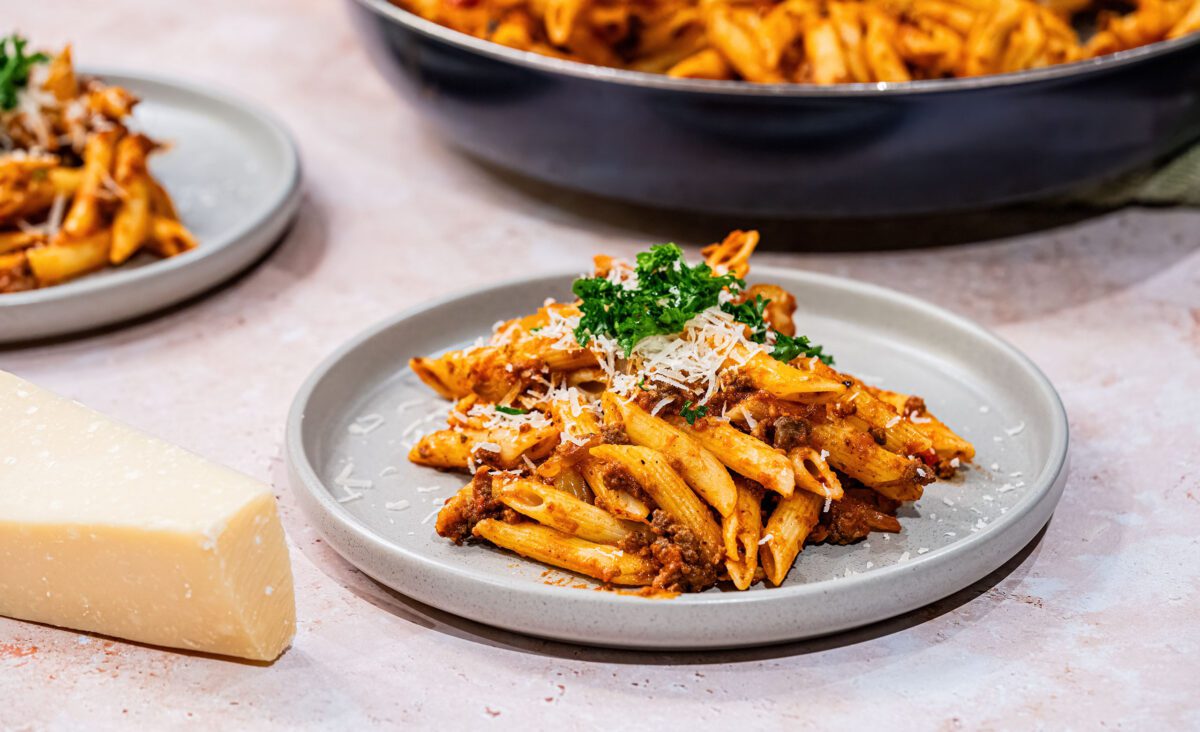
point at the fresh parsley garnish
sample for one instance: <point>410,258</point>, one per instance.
<point>785,347</point>
<point>788,348</point>
<point>14,68</point>
<point>691,414</point>
<point>668,294</point>
<point>510,410</point>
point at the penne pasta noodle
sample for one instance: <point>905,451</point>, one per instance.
<point>84,214</point>
<point>788,382</point>
<point>168,237</point>
<point>743,454</point>
<point>856,454</point>
<point>500,447</point>
<point>449,374</point>
<point>11,241</point>
<point>785,533</point>
<point>668,490</point>
<point>71,258</point>
<point>619,501</point>
<point>742,529</point>
<point>558,510</point>
<point>698,467</point>
<point>550,546</point>
<point>943,440</point>
<point>455,512</point>
<point>572,482</point>
<point>813,474</point>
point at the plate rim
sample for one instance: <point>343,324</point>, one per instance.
<point>303,476</point>
<point>284,199</point>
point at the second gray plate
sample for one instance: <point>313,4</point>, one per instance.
<point>235,176</point>
<point>358,413</point>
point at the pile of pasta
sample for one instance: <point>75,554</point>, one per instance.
<point>815,41</point>
<point>75,191</point>
<point>686,458</point>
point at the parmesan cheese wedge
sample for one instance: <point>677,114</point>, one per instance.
<point>106,529</point>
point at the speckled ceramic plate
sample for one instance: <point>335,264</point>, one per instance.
<point>358,413</point>
<point>235,177</point>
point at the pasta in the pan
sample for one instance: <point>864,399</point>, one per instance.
<point>817,41</point>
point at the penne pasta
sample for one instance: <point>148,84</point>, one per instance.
<point>84,215</point>
<point>813,474</point>
<point>558,510</point>
<point>785,533</point>
<point>942,439</point>
<point>822,42</point>
<point>699,468</point>
<point>668,491</point>
<point>743,454</point>
<point>742,529</point>
<point>790,383</point>
<point>502,448</point>
<point>68,259</point>
<point>550,546</point>
<point>615,499</point>
<point>856,454</point>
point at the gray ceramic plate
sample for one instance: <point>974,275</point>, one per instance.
<point>355,418</point>
<point>235,177</point>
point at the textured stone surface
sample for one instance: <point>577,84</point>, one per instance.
<point>1093,626</point>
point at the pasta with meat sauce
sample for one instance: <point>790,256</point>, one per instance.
<point>76,191</point>
<point>670,429</point>
<point>817,41</point>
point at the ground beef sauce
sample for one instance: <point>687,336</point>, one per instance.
<point>618,478</point>
<point>17,279</point>
<point>851,519</point>
<point>790,432</point>
<point>683,563</point>
<point>459,518</point>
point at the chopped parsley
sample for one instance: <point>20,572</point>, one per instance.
<point>14,68</point>
<point>668,294</point>
<point>510,410</point>
<point>691,414</point>
<point>788,348</point>
<point>785,347</point>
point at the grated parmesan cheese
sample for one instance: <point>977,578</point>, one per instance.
<point>365,424</point>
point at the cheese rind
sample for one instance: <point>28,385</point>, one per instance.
<point>106,529</point>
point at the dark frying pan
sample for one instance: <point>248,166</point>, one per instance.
<point>792,150</point>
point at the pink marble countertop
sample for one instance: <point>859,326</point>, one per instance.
<point>1095,625</point>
